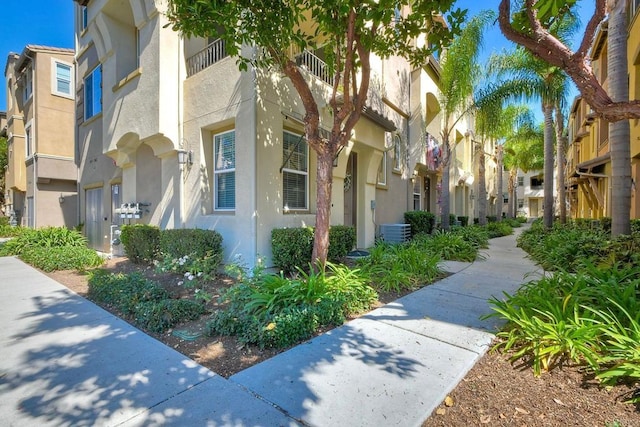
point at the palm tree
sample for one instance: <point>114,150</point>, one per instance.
<point>460,74</point>
<point>550,85</point>
<point>524,150</point>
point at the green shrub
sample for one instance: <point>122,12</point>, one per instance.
<point>61,258</point>
<point>123,291</point>
<point>274,311</point>
<point>492,218</point>
<point>198,243</point>
<point>4,221</point>
<point>9,231</point>
<point>47,237</point>
<point>342,239</point>
<point>514,223</point>
<point>141,242</point>
<point>477,236</point>
<point>498,229</point>
<point>450,245</point>
<point>522,219</point>
<point>464,220</point>
<point>191,250</point>
<point>158,316</point>
<point>452,219</point>
<point>420,221</point>
<point>292,247</point>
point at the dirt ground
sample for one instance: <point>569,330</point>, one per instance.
<point>494,392</point>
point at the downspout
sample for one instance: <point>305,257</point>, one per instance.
<point>255,162</point>
<point>33,140</point>
<point>179,104</point>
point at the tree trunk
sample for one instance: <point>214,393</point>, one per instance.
<point>547,110</point>
<point>619,133</point>
<point>445,204</point>
<point>560,160</point>
<point>482,185</point>
<point>513,193</point>
<point>499,183</point>
<point>324,181</point>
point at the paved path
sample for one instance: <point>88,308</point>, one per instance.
<point>65,361</point>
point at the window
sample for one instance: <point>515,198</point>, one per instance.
<point>396,153</point>
<point>85,18</point>
<point>537,182</point>
<point>224,170</point>
<point>382,170</point>
<point>521,181</point>
<point>93,93</point>
<point>505,197</point>
<point>11,95</point>
<point>520,203</point>
<point>416,195</point>
<point>62,83</point>
<point>28,84</point>
<point>295,172</point>
<point>28,141</point>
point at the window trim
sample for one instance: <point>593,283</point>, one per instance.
<point>54,78</point>
<point>86,104</point>
<point>397,153</point>
<point>28,84</point>
<point>29,143</point>
<point>84,18</point>
<point>298,172</point>
<point>382,171</point>
<point>217,172</point>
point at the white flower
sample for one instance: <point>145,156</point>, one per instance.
<point>191,277</point>
<point>187,274</point>
<point>199,273</point>
<point>180,283</point>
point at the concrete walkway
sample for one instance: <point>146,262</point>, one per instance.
<point>65,361</point>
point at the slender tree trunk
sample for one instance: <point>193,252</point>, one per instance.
<point>560,161</point>
<point>513,193</point>
<point>445,204</point>
<point>499,183</point>
<point>482,185</point>
<point>324,182</point>
<point>547,110</point>
<point>619,132</point>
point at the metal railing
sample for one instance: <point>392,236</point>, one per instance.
<point>208,56</point>
<point>314,66</point>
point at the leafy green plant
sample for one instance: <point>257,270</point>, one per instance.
<point>451,246</point>
<point>292,247</point>
<point>498,229</point>
<point>197,243</point>
<point>141,242</point>
<point>160,315</point>
<point>420,221</point>
<point>61,258</point>
<point>9,231</point>
<point>123,291</point>
<point>47,237</point>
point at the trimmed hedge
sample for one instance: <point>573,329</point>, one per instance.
<point>190,241</point>
<point>141,242</point>
<point>292,247</point>
<point>464,220</point>
<point>61,258</point>
<point>422,222</point>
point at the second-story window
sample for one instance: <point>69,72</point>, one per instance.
<point>397,153</point>
<point>224,164</point>
<point>28,140</point>
<point>93,93</point>
<point>521,181</point>
<point>382,170</point>
<point>84,18</point>
<point>62,83</point>
<point>28,84</point>
<point>295,172</point>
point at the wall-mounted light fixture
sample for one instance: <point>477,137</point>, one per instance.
<point>61,198</point>
<point>185,157</point>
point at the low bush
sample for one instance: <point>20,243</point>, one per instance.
<point>141,242</point>
<point>198,243</point>
<point>9,231</point>
<point>588,318</point>
<point>492,218</point>
<point>464,220</point>
<point>47,237</point>
<point>450,245</point>
<point>146,302</point>
<point>158,316</point>
<point>61,257</point>
<point>514,223</point>
<point>498,229</point>
<point>477,236</point>
<point>275,311</point>
<point>420,221</point>
<point>393,268</point>
<point>292,247</point>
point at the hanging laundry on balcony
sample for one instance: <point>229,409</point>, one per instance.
<point>434,154</point>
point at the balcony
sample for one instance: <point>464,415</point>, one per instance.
<point>315,66</point>
<point>208,56</point>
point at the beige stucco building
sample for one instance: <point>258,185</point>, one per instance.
<point>41,177</point>
<point>171,128</point>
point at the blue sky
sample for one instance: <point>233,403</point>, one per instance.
<point>50,23</point>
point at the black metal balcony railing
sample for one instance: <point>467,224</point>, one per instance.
<point>208,56</point>
<point>314,66</point>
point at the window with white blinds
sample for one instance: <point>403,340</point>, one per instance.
<point>295,173</point>
<point>224,164</point>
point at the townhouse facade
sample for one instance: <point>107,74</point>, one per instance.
<point>588,156</point>
<point>41,175</point>
<point>171,133</point>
